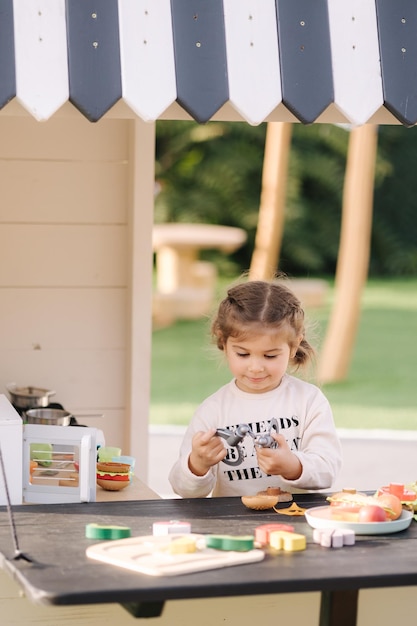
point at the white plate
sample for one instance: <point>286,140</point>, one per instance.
<point>320,517</point>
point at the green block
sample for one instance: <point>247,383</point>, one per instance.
<point>95,531</point>
<point>242,543</point>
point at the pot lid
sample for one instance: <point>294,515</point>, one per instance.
<point>29,391</point>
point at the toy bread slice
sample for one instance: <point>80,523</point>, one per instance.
<point>259,502</point>
<point>266,499</point>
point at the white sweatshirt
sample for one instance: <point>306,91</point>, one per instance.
<point>303,416</point>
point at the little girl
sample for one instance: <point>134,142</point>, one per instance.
<point>282,432</point>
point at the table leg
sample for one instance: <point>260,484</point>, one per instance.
<point>339,608</point>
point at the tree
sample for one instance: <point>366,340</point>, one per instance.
<point>213,174</point>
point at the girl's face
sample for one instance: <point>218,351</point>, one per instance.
<point>259,361</point>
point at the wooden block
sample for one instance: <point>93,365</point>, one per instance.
<point>182,545</point>
<point>242,543</point>
<point>287,541</point>
<point>334,538</point>
<point>96,531</point>
<point>171,527</point>
<point>263,532</point>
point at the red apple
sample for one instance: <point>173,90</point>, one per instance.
<point>372,513</point>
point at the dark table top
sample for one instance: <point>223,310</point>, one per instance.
<point>53,536</point>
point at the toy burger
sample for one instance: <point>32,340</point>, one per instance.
<point>113,476</point>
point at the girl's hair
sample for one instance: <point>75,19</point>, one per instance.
<point>258,305</point>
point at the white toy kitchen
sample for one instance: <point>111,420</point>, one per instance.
<point>43,463</point>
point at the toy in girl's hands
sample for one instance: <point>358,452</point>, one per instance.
<point>235,437</point>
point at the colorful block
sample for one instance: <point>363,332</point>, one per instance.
<point>95,531</point>
<point>171,527</point>
<point>182,545</point>
<point>334,538</point>
<point>263,532</point>
<point>287,541</point>
<point>242,543</point>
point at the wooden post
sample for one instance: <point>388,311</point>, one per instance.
<point>353,258</point>
<point>272,205</point>
<point>140,222</point>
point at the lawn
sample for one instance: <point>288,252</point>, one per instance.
<point>380,391</point>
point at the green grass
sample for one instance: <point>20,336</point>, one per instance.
<point>380,391</point>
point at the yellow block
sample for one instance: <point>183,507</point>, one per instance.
<point>182,545</point>
<point>290,542</point>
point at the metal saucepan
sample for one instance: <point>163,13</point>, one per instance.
<point>28,397</point>
<point>53,417</point>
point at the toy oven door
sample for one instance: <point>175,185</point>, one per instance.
<point>59,464</point>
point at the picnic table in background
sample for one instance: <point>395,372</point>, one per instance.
<point>184,284</point>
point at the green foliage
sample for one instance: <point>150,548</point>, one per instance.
<point>213,174</point>
<point>380,390</point>
<point>394,250</point>
<point>210,174</point>
<point>313,213</point>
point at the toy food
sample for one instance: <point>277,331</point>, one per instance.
<point>262,532</point>
<point>392,505</point>
<point>357,507</point>
<point>293,510</point>
<point>41,453</point>
<point>401,491</point>
<point>266,499</point>
<point>372,513</point>
<point>113,476</point>
<point>283,496</point>
<point>71,481</point>
<point>259,502</point>
<point>412,487</point>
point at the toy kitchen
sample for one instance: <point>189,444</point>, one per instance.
<point>44,463</point>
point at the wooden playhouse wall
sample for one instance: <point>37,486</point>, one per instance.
<point>67,211</point>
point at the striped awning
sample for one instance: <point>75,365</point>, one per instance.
<point>339,61</point>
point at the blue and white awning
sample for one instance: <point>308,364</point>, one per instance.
<point>347,61</point>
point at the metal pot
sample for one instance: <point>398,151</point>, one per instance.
<point>55,417</point>
<point>51,417</point>
<point>28,397</point>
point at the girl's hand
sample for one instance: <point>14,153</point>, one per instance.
<point>207,450</point>
<point>279,461</point>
